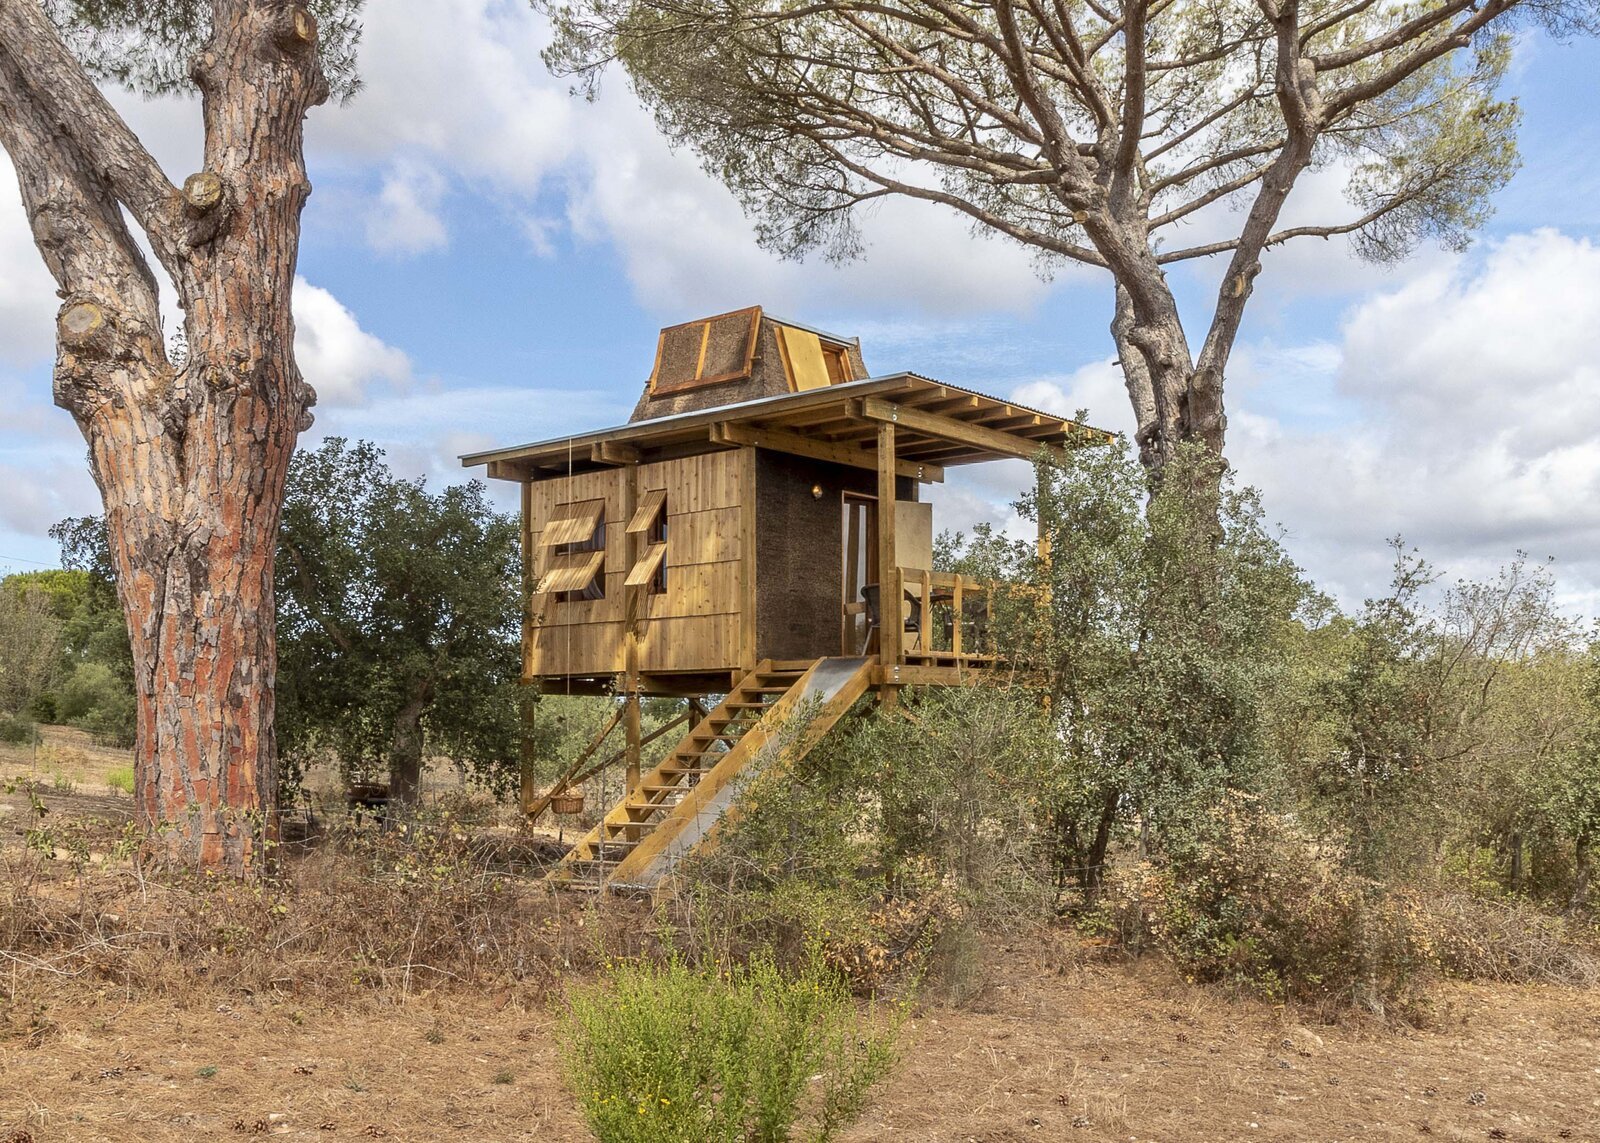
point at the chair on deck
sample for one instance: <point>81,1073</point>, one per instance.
<point>871,596</point>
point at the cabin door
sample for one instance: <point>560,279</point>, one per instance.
<point>860,523</point>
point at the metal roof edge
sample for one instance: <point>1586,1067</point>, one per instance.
<point>865,385</point>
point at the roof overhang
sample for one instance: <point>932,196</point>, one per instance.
<point>936,425</point>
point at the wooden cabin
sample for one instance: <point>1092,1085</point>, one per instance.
<point>730,540</point>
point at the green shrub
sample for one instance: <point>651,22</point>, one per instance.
<point>120,778</point>
<point>95,698</point>
<point>671,1053</point>
<point>18,730</point>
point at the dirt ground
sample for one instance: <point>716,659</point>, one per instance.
<point>1051,1048</point>
<point>1099,1053</point>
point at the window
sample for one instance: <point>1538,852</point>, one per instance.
<point>837,360</point>
<point>573,551</point>
<point>813,362</point>
<point>650,522</point>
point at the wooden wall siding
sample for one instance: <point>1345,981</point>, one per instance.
<point>694,625</point>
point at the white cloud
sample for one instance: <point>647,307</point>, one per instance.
<point>1474,395</point>
<point>27,293</point>
<point>33,498</point>
<point>406,218</point>
<point>688,247</point>
<point>337,356</point>
<point>1460,410</point>
<point>457,88</point>
<point>459,82</point>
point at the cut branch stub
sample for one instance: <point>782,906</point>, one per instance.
<point>297,30</point>
<point>80,322</point>
<point>202,191</point>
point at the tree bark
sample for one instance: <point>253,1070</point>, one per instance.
<point>405,751</point>
<point>190,456</point>
<point>1580,874</point>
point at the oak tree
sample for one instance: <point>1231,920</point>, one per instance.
<point>189,449</point>
<point>399,621</point>
<point>1127,135</point>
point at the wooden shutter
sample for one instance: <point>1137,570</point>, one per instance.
<point>644,571</point>
<point>571,573</point>
<point>572,524</point>
<point>649,510</point>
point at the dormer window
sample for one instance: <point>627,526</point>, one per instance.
<point>813,361</point>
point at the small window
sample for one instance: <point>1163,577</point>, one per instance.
<point>837,360</point>
<point>813,362</point>
<point>650,521</point>
<point>574,541</point>
<point>575,576</point>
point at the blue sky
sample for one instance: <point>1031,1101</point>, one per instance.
<point>487,261</point>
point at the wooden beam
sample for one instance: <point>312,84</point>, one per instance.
<point>509,470</point>
<point>780,441</point>
<point>533,809</point>
<point>891,625</point>
<point>613,452</point>
<point>948,428</point>
<point>926,676</point>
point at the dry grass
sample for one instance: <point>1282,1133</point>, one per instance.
<point>1511,941</point>
<point>64,758</point>
<point>1131,1052</point>
<point>1098,1052</point>
<point>385,988</point>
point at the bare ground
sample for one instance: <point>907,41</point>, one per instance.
<point>1108,1052</point>
<point>1053,1047</point>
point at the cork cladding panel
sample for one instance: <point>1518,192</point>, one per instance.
<point>800,552</point>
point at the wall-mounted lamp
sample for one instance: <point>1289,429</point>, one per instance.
<point>816,492</point>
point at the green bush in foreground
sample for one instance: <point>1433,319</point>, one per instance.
<point>669,1053</point>
<point>120,778</point>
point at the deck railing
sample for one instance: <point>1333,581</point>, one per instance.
<point>958,614</point>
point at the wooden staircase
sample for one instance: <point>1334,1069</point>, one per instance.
<point>679,802</point>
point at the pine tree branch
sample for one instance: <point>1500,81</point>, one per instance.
<point>56,84</point>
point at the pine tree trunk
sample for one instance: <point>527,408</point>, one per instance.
<point>193,529</point>
<point>190,456</point>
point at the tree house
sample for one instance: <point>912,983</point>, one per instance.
<point>755,531</point>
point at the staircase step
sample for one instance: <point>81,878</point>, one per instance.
<point>657,807</point>
<point>620,827</point>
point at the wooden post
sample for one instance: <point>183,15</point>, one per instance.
<point>528,702</point>
<point>529,698</point>
<point>748,523</point>
<point>630,725</point>
<point>1042,486</point>
<point>891,607</point>
<point>633,606</point>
